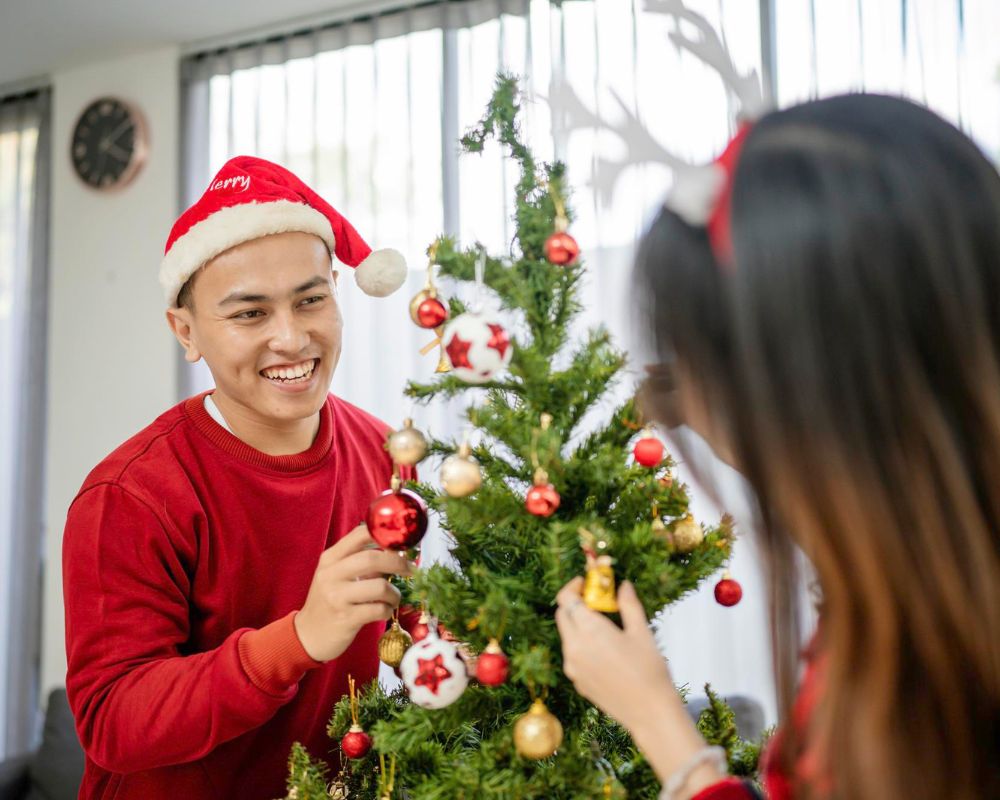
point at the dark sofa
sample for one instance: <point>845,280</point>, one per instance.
<point>55,769</point>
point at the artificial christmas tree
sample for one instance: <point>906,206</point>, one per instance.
<point>554,502</point>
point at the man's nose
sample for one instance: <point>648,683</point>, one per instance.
<point>287,334</point>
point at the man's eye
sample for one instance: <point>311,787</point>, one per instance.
<point>313,300</point>
<point>249,314</point>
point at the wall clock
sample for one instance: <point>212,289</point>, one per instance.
<point>109,144</point>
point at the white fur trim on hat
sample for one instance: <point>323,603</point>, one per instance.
<point>382,273</point>
<point>234,225</point>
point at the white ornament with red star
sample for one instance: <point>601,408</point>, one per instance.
<point>477,347</point>
<point>434,672</point>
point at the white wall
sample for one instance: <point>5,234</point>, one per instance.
<point>111,356</point>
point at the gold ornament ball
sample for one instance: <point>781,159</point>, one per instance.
<point>393,645</point>
<point>407,446</point>
<point>538,733</point>
<point>460,474</point>
<point>687,534</point>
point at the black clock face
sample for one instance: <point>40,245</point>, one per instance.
<point>105,144</point>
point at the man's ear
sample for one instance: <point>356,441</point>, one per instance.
<point>336,275</point>
<point>179,320</point>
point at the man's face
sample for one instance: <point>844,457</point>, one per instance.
<point>264,316</point>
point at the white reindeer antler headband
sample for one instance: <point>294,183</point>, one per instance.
<point>700,193</point>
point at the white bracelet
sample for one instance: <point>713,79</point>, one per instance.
<point>679,779</point>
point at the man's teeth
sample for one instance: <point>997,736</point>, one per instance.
<point>300,372</point>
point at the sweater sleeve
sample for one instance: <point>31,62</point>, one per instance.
<point>139,702</point>
<point>274,657</point>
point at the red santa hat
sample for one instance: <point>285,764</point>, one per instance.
<point>250,198</point>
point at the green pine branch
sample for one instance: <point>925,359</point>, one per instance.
<point>717,724</point>
<point>306,778</point>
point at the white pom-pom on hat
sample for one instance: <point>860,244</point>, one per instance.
<point>382,273</point>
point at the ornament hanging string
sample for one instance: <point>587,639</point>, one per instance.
<point>387,780</point>
<point>534,694</point>
<point>431,261</point>
<point>443,363</point>
<point>354,699</point>
<point>562,221</point>
<point>502,626</point>
<point>477,299</point>
<point>545,421</point>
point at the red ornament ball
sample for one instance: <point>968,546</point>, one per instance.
<point>431,313</point>
<point>356,743</point>
<point>420,629</point>
<point>542,500</point>
<point>493,666</point>
<point>561,249</point>
<point>728,592</point>
<point>397,520</point>
<point>648,451</point>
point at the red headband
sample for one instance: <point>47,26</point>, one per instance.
<point>719,220</point>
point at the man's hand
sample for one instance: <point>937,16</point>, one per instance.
<point>348,591</point>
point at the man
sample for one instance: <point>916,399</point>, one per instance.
<point>219,589</point>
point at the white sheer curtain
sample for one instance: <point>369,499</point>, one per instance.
<point>370,112</point>
<point>943,53</point>
<point>23,288</point>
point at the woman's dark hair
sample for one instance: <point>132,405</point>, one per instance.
<point>850,358</point>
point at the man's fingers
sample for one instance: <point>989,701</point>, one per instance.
<point>365,613</point>
<point>357,540</point>
<point>374,590</point>
<point>374,562</point>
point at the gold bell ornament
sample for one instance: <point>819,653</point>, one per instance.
<point>538,734</point>
<point>460,473</point>
<point>599,583</point>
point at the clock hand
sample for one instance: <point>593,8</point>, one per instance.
<point>117,152</point>
<point>123,126</point>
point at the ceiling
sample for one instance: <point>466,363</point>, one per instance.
<point>38,37</point>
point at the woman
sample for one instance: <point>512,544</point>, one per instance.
<point>841,347</point>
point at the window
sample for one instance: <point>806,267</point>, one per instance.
<point>23,290</point>
<point>369,112</point>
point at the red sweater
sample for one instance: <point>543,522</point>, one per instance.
<point>185,556</point>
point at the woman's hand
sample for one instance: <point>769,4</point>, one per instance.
<point>622,672</point>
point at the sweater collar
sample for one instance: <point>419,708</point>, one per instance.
<point>194,409</point>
